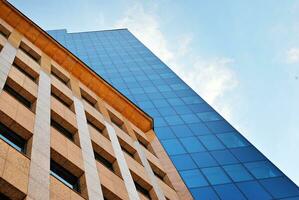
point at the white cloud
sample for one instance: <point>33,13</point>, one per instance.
<point>211,78</point>
<point>145,26</point>
<point>292,55</point>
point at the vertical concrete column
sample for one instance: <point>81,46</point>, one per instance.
<point>149,171</point>
<point>124,169</point>
<point>91,174</point>
<point>7,56</point>
<point>39,180</point>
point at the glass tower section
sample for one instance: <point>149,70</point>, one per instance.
<point>214,159</point>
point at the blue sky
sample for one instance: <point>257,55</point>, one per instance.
<point>241,56</point>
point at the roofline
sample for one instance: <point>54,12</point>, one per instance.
<point>77,63</point>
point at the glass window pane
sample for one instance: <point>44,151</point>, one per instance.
<point>193,178</point>
<point>224,157</point>
<point>253,190</point>
<point>237,172</point>
<point>211,142</point>
<point>229,192</point>
<point>173,147</point>
<point>263,169</point>
<point>164,133</point>
<point>199,129</point>
<point>203,159</point>
<point>280,187</point>
<point>247,154</point>
<point>190,118</point>
<point>181,131</point>
<point>219,126</point>
<point>209,116</point>
<point>192,144</point>
<point>204,193</point>
<point>215,175</point>
<point>183,162</point>
<point>232,140</point>
<point>174,120</point>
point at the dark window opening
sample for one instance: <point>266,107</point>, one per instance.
<point>128,152</point>
<point>142,190</point>
<point>60,99</point>
<point>88,98</point>
<point>17,96</point>
<point>60,76</point>
<point>62,130</point>
<point>94,126</point>
<point>64,176</point>
<point>143,144</point>
<point>4,197</point>
<point>30,52</point>
<point>104,161</point>
<point>88,101</point>
<point>4,31</point>
<point>159,176</point>
<point>12,139</point>
<point>24,72</point>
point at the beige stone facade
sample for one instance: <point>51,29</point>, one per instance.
<point>67,134</point>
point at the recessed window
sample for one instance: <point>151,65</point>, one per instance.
<point>17,96</point>
<point>4,31</point>
<point>62,130</point>
<point>4,197</point>
<point>142,190</point>
<point>12,138</point>
<point>161,177</point>
<point>62,98</point>
<point>118,122</point>
<point>93,125</point>
<point>127,152</point>
<point>88,98</point>
<point>30,52</point>
<point>25,69</point>
<point>104,161</point>
<point>64,176</point>
<point>60,76</point>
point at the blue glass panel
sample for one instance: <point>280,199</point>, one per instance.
<point>253,190</point>
<point>193,178</point>
<point>203,159</point>
<point>211,142</point>
<point>173,147</point>
<point>219,126</point>
<point>183,162</point>
<point>200,107</point>
<point>199,129</point>
<point>175,102</point>
<point>247,154</point>
<point>159,121</point>
<point>174,120</point>
<point>229,192</point>
<point>262,169</point>
<point>209,116</point>
<point>190,118</point>
<point>237,172</point>
<point>215,175</point>
<point>280,187</point>
<point>192,144</point>
<point>164,133</point>
<point>224,157</point>
<point>204,193</point>
<point>166,111</point>
<point>182,110</point>
<point>232,140</point>
<point>181,131</point>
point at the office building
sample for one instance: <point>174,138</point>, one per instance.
<point>205,156</point>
